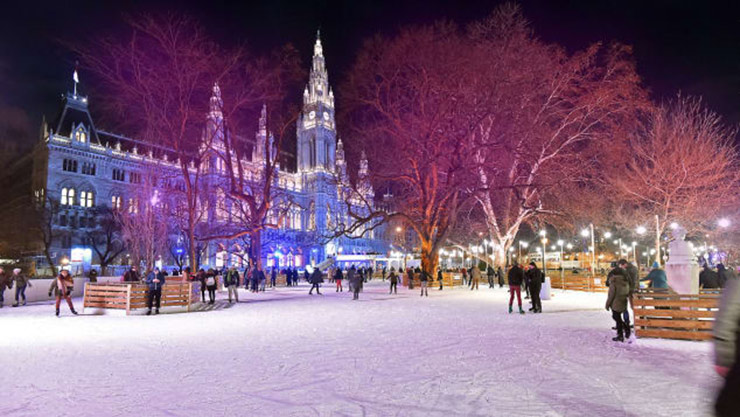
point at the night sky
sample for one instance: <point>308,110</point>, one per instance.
<point>687,46</point>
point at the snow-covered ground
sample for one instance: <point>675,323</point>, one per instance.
<point>284,353</point>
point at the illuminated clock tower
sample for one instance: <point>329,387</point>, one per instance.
<point>316,130</point>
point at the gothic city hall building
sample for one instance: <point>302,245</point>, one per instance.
<point>81,168</point>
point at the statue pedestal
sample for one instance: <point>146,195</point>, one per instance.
<point>681,269</point>
<point>683,278</point>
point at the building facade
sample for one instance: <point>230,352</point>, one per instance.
<point>81,166</point>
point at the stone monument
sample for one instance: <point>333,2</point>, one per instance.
<point>682,269</point>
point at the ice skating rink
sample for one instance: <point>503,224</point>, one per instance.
<point>285,353</point>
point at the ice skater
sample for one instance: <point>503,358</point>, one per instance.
<point>424,281</point>
<point>62,287</point>
<point>155,279</point>
<point>474,278</point>
<point>393,278</point>
<point>316,279</point>
<point>338,279</point>
<point>616,301</point>
<point>516,276</point>
<point>440,278</point>
<point>5,282</point>
<point>355,281</point>
<point>535,278</point>
<point>231,282</point>
<point>21,282</point>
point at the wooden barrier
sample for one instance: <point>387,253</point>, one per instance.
<point>132,296</point>
<point>449,279</point>
<point>663,314</point>
<point>579,283</point>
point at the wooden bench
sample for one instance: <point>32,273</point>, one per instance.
<point>132,296</point>
<point>663,314</point>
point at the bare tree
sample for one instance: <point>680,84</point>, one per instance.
<point>105,237</point>
<point>410,97</point>
<point>547,115</point>
<point>144,224</point>
<point>681,166</point>
<point>158,80</point>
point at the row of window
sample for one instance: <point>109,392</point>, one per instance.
<point>74,221</point>
<point>87,198</point>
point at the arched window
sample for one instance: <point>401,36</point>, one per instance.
<point>80,135</point>
<point>68,197</point>
<point>87,199</point>
<point>115,202</point>
<point>312,216</point>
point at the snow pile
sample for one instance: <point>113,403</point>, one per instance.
<point>454,353</point>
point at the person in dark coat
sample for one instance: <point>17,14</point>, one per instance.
<point>424,281</point>
<point>393,278</point>
<point>617,302</point>
<point>708,278</point>
<point>154,280</point>
<point>93,275</point>
<point>535,277</point>
<point>316,279</point>
<point>727,350</point>
<point>338,276</point>
<point>633,279</point>
<point>490,274</point>
<point>516,277</point>
<point>723,274</point>
<point>273,276</point>
<point>410,277</point>
<point>464,273</point>
<point>132,275</point>
<point>211,284</point>
<point>440,278</point>
<point>500,274</point>
<point>231,282</point>
<point>355,281</point>
<point>201,278</point>
<point>5,282</point>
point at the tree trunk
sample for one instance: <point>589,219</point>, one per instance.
<point>192,247</point>
<point>103,268</point>
<point>429,258</point>
<point>255,249</point>
<point>51,263</point>
<point>657,240</point>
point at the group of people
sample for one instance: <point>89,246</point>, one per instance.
<point>712,279</point>
<point>532,278</point>
<point>20,281</point>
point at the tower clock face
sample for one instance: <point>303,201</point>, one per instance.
<point>312,115</point>
<point>326,116</point>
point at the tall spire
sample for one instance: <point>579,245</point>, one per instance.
<point>317,49</point>
<point>216,103</point>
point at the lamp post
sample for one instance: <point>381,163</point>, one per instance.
<point>543,233</point>
<point>634,253</point>
<point>521,245</point>
<point>586,233</point>
<point>562,270</point>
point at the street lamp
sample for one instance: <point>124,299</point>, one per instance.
<point>586,233</point>
<point>634,252</point>
<point>562,270</point>
<point>723,223</point>
<point>544,253</point>
<point>607,235</point>
<point>641,230</point>
<point>522,245</point>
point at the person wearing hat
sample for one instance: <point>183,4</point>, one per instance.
<point>656,278</point>
<point>21,282</point>
<point>535,278</point>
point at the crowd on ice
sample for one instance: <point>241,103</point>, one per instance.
<point>623,282</point>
